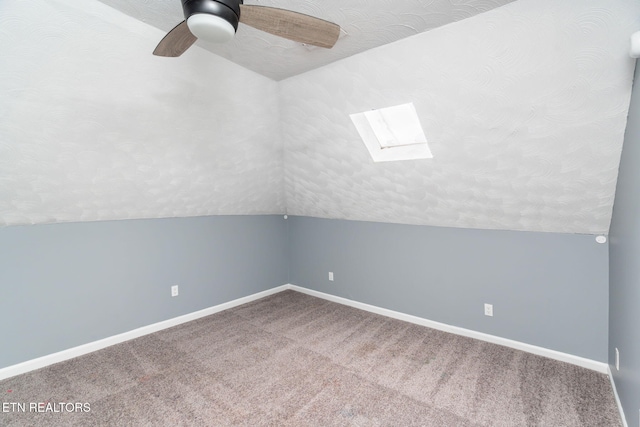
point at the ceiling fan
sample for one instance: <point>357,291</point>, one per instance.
<point>217,21</point>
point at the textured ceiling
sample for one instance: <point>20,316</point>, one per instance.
<point>524,107</point>
<point>365,24</point>
<point>92,134</point>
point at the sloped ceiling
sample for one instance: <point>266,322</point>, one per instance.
<point>93,128</point>
<point>524,107</point>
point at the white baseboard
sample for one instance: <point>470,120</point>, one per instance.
<point>61,356</point>
<point>615,393</point>
<point>540,351</point>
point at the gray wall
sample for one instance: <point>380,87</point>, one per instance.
<point>548,289</point>
<point>624,322</point>
<point>65,285</point>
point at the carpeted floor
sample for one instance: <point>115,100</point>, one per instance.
<point>294,360</point>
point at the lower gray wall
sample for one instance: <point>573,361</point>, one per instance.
<point>625,268</point>
<point>63,285</point>
<point>547,289</point>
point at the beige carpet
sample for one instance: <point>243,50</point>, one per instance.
<point>295,360</point>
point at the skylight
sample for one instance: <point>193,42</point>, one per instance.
<point>392,133</point>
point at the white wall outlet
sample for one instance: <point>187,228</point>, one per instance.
<point>331,276</point>
<point>617,359</point>
<point>174,291</point>
<point>488,309</point>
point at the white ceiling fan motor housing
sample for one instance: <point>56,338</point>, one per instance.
<point>210,28</point>
<point>212,20</point>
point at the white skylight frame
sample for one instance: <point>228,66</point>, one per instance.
<point>392,133</point>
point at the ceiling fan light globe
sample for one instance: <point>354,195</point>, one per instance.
<point>210,28</point>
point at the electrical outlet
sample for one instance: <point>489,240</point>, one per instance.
<point>617,359</point>
<point>488,309</point>
<point>331,276</point>
<point>174,291</point>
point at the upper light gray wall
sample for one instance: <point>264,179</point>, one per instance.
<point>94,127</point>
<point>547,289</point>
<point>64,285</point>
<point>624,332</point>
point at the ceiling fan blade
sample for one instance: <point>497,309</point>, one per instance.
<point>291,25</point>
<point>176,42</point>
